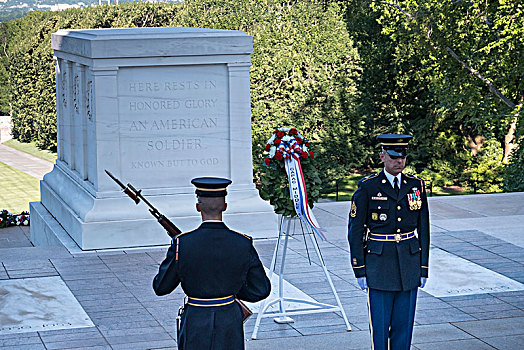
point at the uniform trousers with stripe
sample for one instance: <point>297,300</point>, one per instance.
<point>391,316</point>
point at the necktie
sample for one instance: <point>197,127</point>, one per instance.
<point>395,185</point>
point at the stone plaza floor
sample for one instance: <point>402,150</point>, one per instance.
<point>51,298</point>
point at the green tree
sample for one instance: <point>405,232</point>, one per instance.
<point>5,106</point>
<point>451,75</point>
<point>304,74</point>
<point>474,58</point>
<point>393,94</point>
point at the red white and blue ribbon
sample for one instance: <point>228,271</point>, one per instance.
<point>298,194</point>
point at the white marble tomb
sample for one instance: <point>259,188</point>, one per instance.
<point>156,107</point>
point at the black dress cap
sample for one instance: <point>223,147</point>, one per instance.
<point>395,145</point>
<point>211,186</point>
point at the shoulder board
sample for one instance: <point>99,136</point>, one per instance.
<point>238,233</point>
<point>182,234</point>
<point>413,177</point>
<point>416,178</point>
<point>369,177</point>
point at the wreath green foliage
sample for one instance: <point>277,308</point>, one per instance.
<point>273,185</point>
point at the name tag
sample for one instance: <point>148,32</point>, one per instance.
<point>379,198</point>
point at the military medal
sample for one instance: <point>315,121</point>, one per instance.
<point>411,202</point>
<point>419,199</point>
<point>374,216</point>
<point>414,200</point>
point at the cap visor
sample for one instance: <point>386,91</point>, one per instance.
<point>394,153</point>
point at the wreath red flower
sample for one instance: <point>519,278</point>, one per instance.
<point>274,186</point>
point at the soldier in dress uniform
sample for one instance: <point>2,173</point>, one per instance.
<point>389,242</point>
<point>214,265</point>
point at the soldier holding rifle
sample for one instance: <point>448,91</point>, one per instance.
<point>214,265</point>
<point>217,267</point>
<point>389,241</point>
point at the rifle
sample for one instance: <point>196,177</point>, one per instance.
<point>136,195</point>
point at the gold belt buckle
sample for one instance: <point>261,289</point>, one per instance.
<point>397,237</point>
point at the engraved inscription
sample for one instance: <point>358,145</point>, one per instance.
<point>174,117</point>
<point>89,100</point>
<point>76,88</point>
<point>150,86</point>
<point>174,163</point>
<point>64,89</point>
<point>173,124</point>
<point>155,105</point>
<point>174,144</point>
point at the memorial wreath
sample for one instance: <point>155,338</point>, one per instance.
<point>288,144</point>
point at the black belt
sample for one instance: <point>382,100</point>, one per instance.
<point>397,237</point>
<point>211,302</point>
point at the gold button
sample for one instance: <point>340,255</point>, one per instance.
<point>399,219</point>
<point>379,207</point>
<point>398,230</point>
<point>398,208</point>
<point>369,251</point>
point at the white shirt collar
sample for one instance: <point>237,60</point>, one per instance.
<point>391,177</point>
<point>212,221</point>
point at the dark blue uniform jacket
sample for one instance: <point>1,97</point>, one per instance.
<point>375,207</point>
<point>213,262</point>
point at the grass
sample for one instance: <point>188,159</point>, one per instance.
<point>32,149</point>
<point>17,189</point>
<point>346,188</point>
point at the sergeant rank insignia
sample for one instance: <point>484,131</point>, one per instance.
<point>415,200</point>
<point>353,211</point>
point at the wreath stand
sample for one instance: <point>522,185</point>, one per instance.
<point>310,307</point>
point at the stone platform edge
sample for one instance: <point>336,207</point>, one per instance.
<point>51,233</point>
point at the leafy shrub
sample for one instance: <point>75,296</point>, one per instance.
<point>484,172</point>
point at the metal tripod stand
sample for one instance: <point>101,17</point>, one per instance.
<point>310,307</point>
